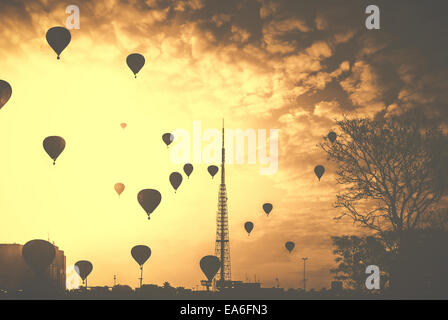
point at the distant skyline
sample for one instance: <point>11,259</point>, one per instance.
<point>288,65</point>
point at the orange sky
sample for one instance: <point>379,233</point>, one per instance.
<point>257,64</point>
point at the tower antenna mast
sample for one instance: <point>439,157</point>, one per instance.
<point>222,245</point>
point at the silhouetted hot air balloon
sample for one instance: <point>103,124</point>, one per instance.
<point>210,266</point>
<point>167,138</point>
<point>149,199</point>
<point>319,171</point>
<point>188,169</point>
<point>83,269</point>
<point>123,125</point>
<point>289,246</point>
<point>54,146</point>
<point>5,92</point>
<point>58,38</point>
<point>119,188</point>
<point>175,180</point>
<point>267,207</point>
<point>38,254</point>
<point>249,226</point>
<point>332,136</point>
<point>212,170</point>
<point>141,254</point>
<point>135,62</point>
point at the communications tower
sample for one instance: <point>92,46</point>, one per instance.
<point>222,246</point>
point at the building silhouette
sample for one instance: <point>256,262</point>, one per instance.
<point>222,245</point>
<point>16,275</point>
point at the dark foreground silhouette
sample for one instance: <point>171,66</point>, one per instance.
<point>154,292</point>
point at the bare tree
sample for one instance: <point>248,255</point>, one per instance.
<point>392,171</point>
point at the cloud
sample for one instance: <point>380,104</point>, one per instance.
<point>364,89</point>
<point>267,9</point>
<point>343,37</point>
<point>239,34</point>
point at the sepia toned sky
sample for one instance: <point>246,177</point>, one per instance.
<point>290,65</point>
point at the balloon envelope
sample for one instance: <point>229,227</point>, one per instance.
<point>212,170</point>
<point>290,246</point>
<point>140,254</point>
<point>175,179</point>
<point>54,146</point>
<point>332,136</point>
<point>38,254</point>
<point>5,92</point>
<point>167,138</point>
<point>249,226</point>
<point>135,62</point>
<point>83,268</point>
<point>210,266</point>
<point>319,171</point>
<point>188,169</point>
<point>149,199</point>
<point>267,207</point>
<point>119,188</point>
<point>58,38</point>
<point>123,125</point>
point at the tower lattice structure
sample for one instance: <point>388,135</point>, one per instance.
<point>222,245</point>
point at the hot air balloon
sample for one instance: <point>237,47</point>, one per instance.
<point>319,171</point>
<point>167,138</point>
<point>289,246</point>
<point>83,269</point>
<point>38,254</point>
<point>58,38</point>
<point>332,136</point>
<point>210,266</point>
<point>135,62</point>
<point>141,254</point>
<point>212,170</point>
<point>119,188</point>
<point>249,226</point>
<point>123,125</point>
<point>267,207</point>
<point>149,199</point>
<point>54,146</point>
<point>175,180</point>
<point>188,169</point>
<point>5,92</point>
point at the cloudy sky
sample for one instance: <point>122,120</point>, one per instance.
<point>290,65</point>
